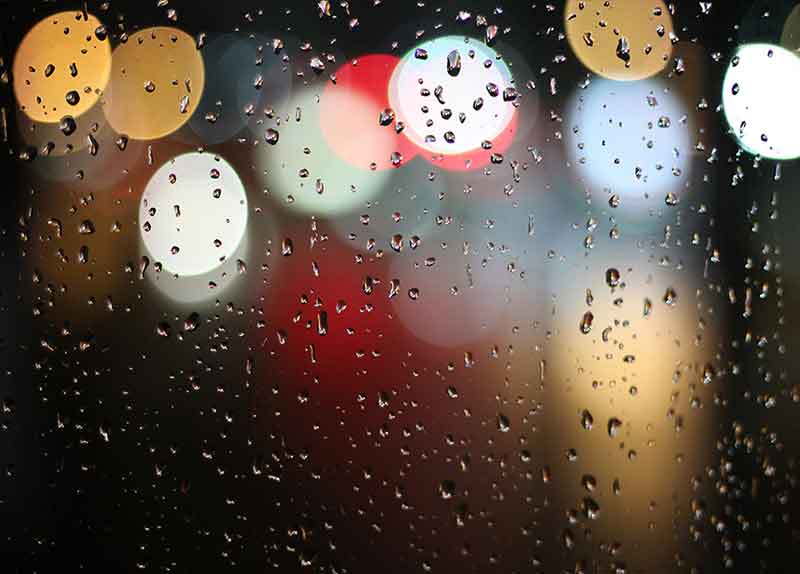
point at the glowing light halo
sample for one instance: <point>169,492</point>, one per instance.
<point>321,302</point>
<point>790,36</point>
<point>408,205</point>
<point>759,98</point>
<point>64,141</point>
<point>301,173</point>
<point>196,203</point>
<point>645,370</point>
<point>413,86</point>
<point>157,81</point>
<point>110,163</point>
<point>350,111</point>
<point>620,39</point>
<point>463,297</point>
<point>194,289</point>
<point>243,75</point>
<point>627,138</point>
<point>62,54</point>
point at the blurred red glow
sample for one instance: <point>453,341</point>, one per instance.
<point>327,328</point>
<point>350,111</point>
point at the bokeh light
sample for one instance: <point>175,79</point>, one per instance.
<point>620,39</point>
<point>244,76</point>
<point>301,172</point>
<point>632,364</point>
<point>453,95</point>
<point>350,114</point>
<point>790,37</point>
<point>62,66</point>
<point>628,141</point>
<point>451,290</point>
<point>64,137</point>
<point>193,213</point>
<point>413,198</point>
<point>157,81</point>
<point>331,320</point>
<point>93,163</point>
<point>193,290</point>
<point>759,99</point>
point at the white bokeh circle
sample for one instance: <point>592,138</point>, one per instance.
<point>413,95</point>
<point>629,138</point>
<point>193,213</point>
<point>759,97</point>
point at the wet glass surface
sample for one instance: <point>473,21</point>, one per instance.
<point>399,285</point>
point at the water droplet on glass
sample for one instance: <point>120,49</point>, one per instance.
<point>73,98</point>
<point>612,277</point>
<point>68,125</point>
<point>614,425</point>
<point>271,136</point>
<point>454,63</point>
<point>586,322</point>
<point>503,424</point>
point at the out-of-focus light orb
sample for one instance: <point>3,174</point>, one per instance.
<point>790,37</point>
<point>759,97</point>
<point>206,287</point>
<point>244,76</point>
<point>620,39</point>
<point>62,66</point>
<point>69,135</point>
<point>453,94</point>
<point>628,329</point>
<point>157,81</point>
<point>628,139</point>
<point>450,291</point>
<point>302,173</point>
<point>193,213</point>
<point>351,111</point>
<point>95,166</point>
<point>412,200</point>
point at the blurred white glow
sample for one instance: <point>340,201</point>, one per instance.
<point>193,214</point>
<point>759,96</point>
<point>414,85</point>
<point>194,289</point>
<point>302,173</point>
<point>629,139</point>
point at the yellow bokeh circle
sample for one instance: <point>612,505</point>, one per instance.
<point>157,80</point>
<point>61,67</point>
<point>620,39</point>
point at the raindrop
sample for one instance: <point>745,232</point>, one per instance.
<point>454,63</point>
<point>586,322</point>
<point>624,50</point>
<point>386,117</point>
<point>614,425</point>
<point>73,98</point>
<point>503,424</point>
<point>271,136</point>
<point>612,277</point>
<point>68,125</point>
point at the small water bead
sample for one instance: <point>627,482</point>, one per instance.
<point>73,97</point>
<point>454,63</point>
